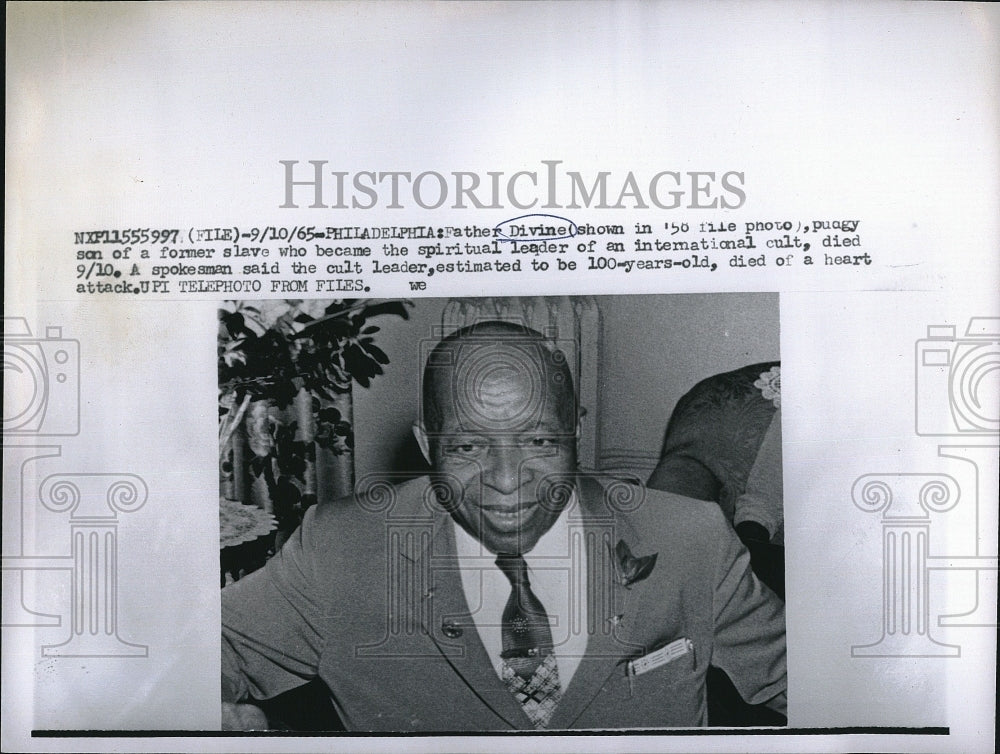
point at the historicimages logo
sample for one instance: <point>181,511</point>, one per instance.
<point>957,398</point>
<point>42,400</point>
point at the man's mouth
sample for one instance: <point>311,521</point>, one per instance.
<point>509,514</point>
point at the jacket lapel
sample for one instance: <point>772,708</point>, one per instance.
<point>614,611</point>
<point>446,619</point>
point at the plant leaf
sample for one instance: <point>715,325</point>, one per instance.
<point>644,567</point>
<point>623,552</point>
<point>377,352</point>
<point>387,307</point>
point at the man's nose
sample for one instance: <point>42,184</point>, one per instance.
<point>503,470</point>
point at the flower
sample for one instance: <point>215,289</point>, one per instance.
<point>769,384</point>
<point>628,568</point>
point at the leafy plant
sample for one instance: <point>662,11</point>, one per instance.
<point>271,351</point>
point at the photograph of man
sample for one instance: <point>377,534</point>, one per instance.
<point>507,590</point>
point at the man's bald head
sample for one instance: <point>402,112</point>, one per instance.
<point>469,369</point>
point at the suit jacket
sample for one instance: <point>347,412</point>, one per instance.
<point>367,596</point>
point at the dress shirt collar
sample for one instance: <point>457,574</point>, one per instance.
<point>558,578</point>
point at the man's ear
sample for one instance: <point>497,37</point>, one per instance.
<point>423,441</point>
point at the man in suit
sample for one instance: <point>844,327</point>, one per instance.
<point>507,590</point>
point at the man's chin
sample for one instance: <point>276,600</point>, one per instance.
<point>510,546</point>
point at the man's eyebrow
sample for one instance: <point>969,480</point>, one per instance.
<point>545,426</point>
<point>459,433</point>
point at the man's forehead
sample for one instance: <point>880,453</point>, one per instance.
<point>473,364</point>
<point>520,348</point>
<point>498,386</point>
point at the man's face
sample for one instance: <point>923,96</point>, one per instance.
<point>503,451</point>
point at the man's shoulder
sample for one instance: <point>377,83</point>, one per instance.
<point>658,514</point>
<point>356,528</point>
<point>374,503</point>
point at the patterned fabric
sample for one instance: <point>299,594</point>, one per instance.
<point>540,694</point>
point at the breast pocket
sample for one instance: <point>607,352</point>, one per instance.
<point>679,669</point>
<point>669,695</point>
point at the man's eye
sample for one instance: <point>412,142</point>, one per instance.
<point>464,449</point>
<point>542,442</point>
